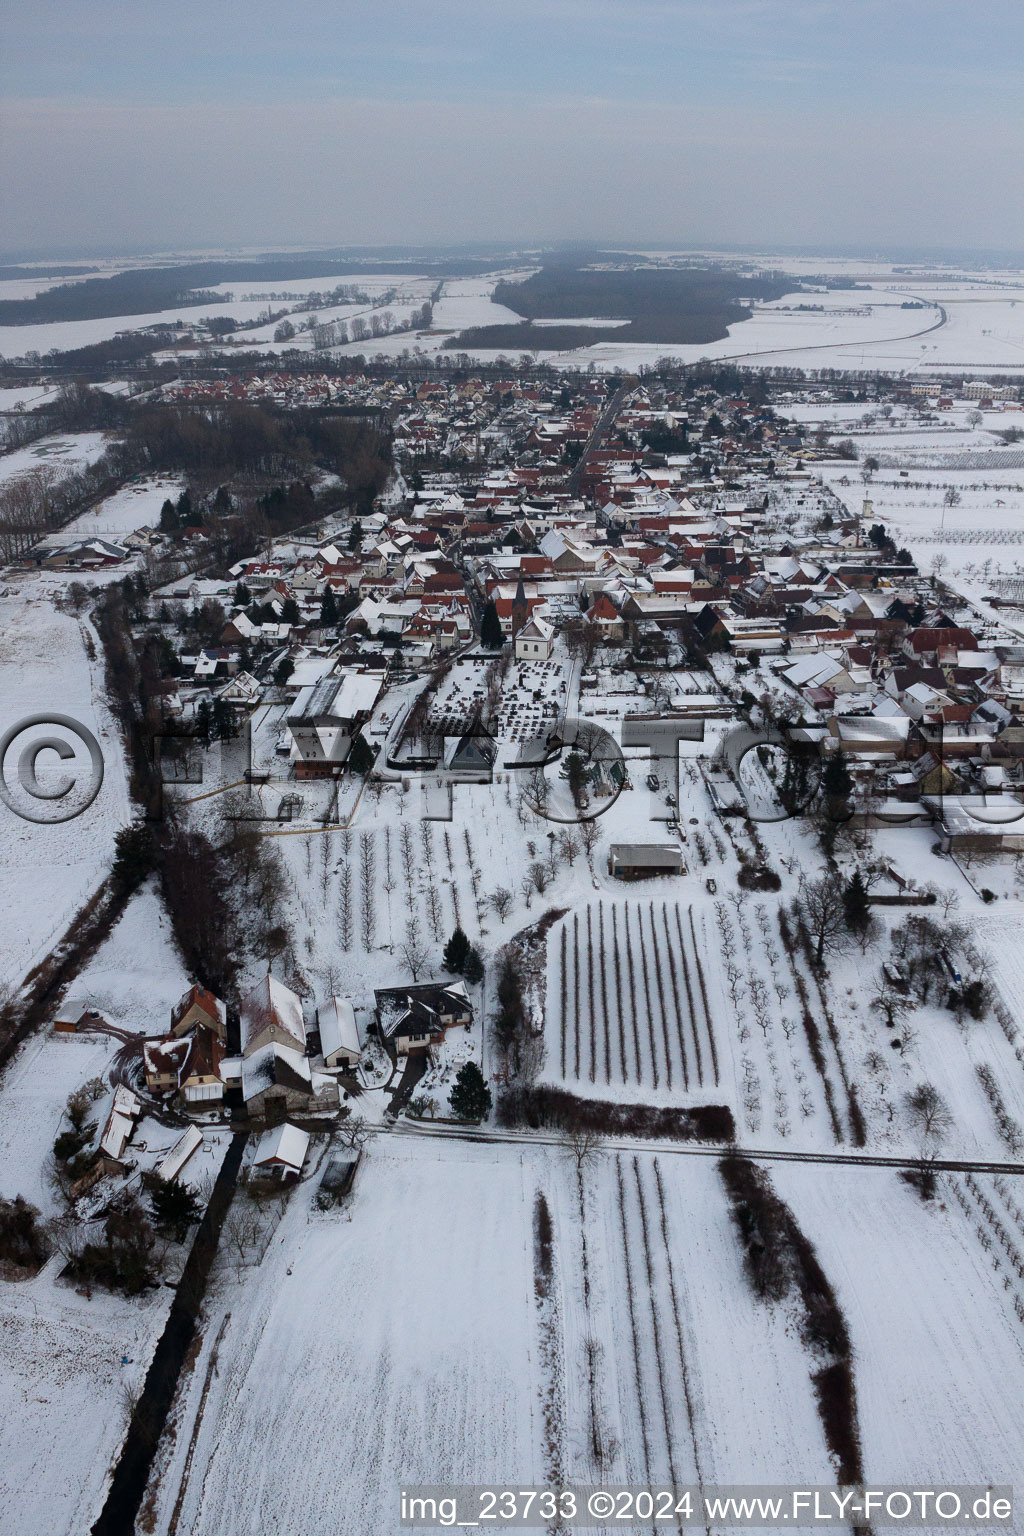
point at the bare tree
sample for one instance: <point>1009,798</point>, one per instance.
<point>500,902</point>
<point>588,836</point>
<point>891,1003</point>
<point>413,950</point>
<point>353,1132</point>
<point>824,915</point>
<point>582,1145</point>
<point>539,877</point>
<point>929,1113</point>
<point>569,847</point>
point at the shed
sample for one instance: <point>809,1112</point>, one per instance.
<point>281,1153</point>
<point>339,1034</point>
<point>180,1153</point>
<point>643,861</point>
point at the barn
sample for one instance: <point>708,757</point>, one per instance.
<point>644,861</point>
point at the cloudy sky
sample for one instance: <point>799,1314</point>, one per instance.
<point>185,124</point>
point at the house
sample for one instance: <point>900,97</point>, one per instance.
<point>642,861</point>
<point>535,640</point>
<point>198,1006</point>
<point>201,1082</point>
<point>271,1014</point>
<point>163,1062</point>
<point>339,1035</point>
<point>412,1019</point>
<point>281,1153</point>
<point>604,617</point>
<point>325,720</point>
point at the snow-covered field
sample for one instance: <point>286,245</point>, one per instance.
<point>50,660</point>
<point>939,1345</point>
<point>28,397</point>
<point>68,451</point>
<point>136,505</point>
<point>650,1336</point>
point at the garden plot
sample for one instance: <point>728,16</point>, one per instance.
<point>628,1002</point>
<point>616,1340</point>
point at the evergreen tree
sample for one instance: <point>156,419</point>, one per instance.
<point>328,609</point>
<point>134,855</point>
<point>283,671</point>
<point>223,720</point>
<point>470,1098</point>
<point>490,627</point>
<point>574,771</point>
<point>169,520</point>
<point>175,1207</point>
<point>204,719</point>
<point>355,535</point>
<point>290,611</point>
<point>836,781</point>
<point>361,757</point>
<point>185,510</point>
<point>456,953</point>
<point>473,970</point>
<point>243,597</point>
<point>856,904</point>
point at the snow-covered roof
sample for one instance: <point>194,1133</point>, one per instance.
<point>116,1134</point>
<point>180,1153</point>
<point>271,1002</point>
<point>338,1028</point>
<point>126,1102</point>
<point>285,1145</point>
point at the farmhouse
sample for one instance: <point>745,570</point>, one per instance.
<point>642,861</point>
<point>271,1013</point>
<point>198,1006</point>
<point>277,1081</point>
<point>163,1062</point>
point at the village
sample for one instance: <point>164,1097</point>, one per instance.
<point>598,781</point>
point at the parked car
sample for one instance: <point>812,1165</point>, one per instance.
<point>653,782</point>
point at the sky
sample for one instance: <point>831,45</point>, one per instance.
<point>196,124</point>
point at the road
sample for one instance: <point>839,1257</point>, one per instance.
<point>604,421</point>
<point>701,1149</point>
